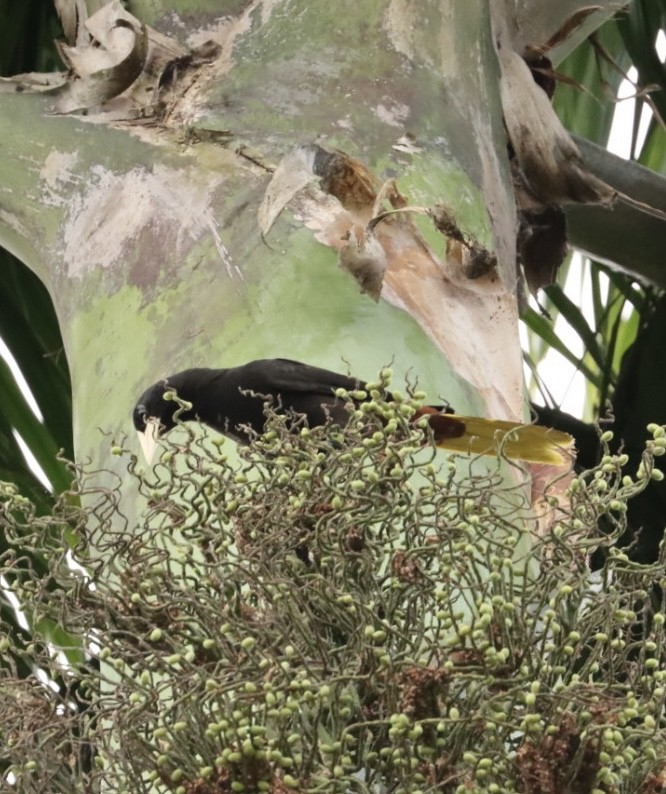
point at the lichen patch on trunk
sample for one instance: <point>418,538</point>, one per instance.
<point>117,210</point>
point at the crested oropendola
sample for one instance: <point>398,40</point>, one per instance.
<point>228,399</point>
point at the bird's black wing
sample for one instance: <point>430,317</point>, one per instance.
<point>229,399</point>
<point>284,376</point>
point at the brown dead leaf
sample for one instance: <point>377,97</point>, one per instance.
<point>547,156</point>
<point>570,26</point>
<point>348,179</point>
<point>365,259</point>
<point>107,63</point>
<point>294,173</point>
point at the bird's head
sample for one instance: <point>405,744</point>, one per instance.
<point>157,411</point>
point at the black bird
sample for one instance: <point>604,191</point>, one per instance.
<point>228,399</point>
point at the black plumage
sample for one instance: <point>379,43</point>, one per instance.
<point>230,400</point>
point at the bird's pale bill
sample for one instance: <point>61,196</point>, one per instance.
<point>149,437</point>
